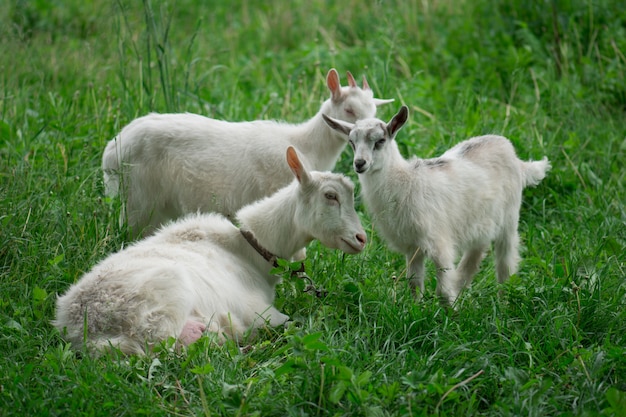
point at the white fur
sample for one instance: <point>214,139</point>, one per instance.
<point>168,165</point>
<point>199,273</point>
<point>462,201</point>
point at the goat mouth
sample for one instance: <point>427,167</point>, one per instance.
<point>355,248</point>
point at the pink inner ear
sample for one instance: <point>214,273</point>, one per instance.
<point>332,81</point>
<point>293,162</point>
<point>351,81</point>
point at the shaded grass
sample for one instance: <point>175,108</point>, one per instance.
<point>549,342</point>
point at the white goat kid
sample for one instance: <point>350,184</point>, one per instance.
<point>462,201</point>
<point>168,165</point>
<point>203,273</point>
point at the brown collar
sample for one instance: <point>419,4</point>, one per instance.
<point>267,255</point>
<point>273,259</point>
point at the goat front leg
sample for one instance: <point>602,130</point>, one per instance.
<point>449,284</point>
<point>507,255</point>
<point>415,272</point>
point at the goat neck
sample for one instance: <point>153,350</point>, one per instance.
<point>307,141</point>
<point>386,160</point>
<point>272,221</point>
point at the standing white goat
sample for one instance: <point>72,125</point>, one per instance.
<point>462,201</point>
<point>168,165</point>
<point>203,273</point>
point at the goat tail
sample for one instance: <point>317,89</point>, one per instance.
<point>535,171</point>
<point>111,168</point>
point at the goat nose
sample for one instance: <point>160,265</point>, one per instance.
<point>362,238</point>
<point>359,164</point>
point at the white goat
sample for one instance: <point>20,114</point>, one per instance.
<point>462,201</point>
<point>168,165</point>
<point>203,273</point>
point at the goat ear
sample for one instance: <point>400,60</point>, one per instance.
<point>381,101</point>
<point>398,121</point>
<point>296,166</point>
<point>377,101</point>
<point>338,125</point>
<point>366,86</point>
<point>332,81</point>
<point>351,80</point>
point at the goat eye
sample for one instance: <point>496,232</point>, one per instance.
<point>350,112</point>
<point>331,196</point>
<point>379,143</point>
<point>351,144</point>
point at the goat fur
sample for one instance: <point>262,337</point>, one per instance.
<point>199,273</point>
<point>167,165</point>
<point>459,202</point>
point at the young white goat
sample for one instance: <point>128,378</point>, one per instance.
<point>462,201</point>
<point>168,165</point>
<point>203,273</point>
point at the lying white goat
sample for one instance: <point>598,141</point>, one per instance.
<point>462,201</point>
<point>168,165</point>
<point>203,273</point>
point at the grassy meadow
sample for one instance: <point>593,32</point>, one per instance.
<point>549,75</point>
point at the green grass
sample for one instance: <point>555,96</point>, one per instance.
<point>548,75</point>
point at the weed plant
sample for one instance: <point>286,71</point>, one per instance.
<point>549,75</point>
